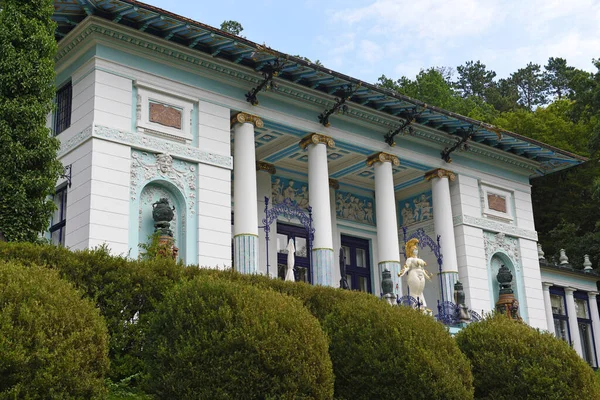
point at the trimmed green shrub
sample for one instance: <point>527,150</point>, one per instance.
<point>53,344</point>
<point>384,352</point>
<point>122,289</point>
<point>511,360</point>
<point>211,338</point>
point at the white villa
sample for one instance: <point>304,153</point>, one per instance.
<point>154,105</point>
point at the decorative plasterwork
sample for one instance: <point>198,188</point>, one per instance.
<point>264,166</point>
<point>495,242</point>
<point>333,183</point>
<point>495,226</point>
<point>249,77</point>
<point>146,167</point>
<point>145,142</point>
<point>242,117</point>
<point>440,173</point>
<point>316,138</point>
<point>383,157</point>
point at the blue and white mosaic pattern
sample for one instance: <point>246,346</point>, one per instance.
<point>323,264</point>
<point>245,253</point>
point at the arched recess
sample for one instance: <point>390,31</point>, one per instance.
<point>151,193</point>
<point>498,259</point>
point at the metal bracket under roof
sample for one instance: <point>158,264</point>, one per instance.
<point>342,94</point>
<point>269,71</point>
<point>461,144</point>
<point>408,117</point>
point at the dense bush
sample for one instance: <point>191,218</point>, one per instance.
<point>383,352</point>
<point>511,360</point>
<point>53,344</point>
<point>122,289</point>
<point>211,338</point>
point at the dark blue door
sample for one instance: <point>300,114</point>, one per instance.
<point>298,234</point>
<point>358,263</point>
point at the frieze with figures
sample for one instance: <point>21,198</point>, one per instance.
<point>353,207</point>
<point>415,209</point>
<point>284,188</point>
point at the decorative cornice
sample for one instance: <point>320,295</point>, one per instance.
<point>243,118</point>
<point>440,173</point>
<point>265,166</point>
<point>146,142</point>
<point>333,183</point>
<point>490,225</point>
<point>316,138</point>
<point>383,157</point>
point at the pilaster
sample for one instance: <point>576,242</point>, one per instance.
<point>573,326</point>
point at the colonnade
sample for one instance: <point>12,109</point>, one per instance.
<point>246,218</point>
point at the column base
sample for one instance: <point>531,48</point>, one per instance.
<point>394,268</point>
<point>322,266</point>
<point>449,278</point>
<point>245,253</point>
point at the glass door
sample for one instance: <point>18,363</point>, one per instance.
<point>358,263</point>
<point>298,234</point>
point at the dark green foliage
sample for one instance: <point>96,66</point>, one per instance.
<point>531,83</point>
<point>29,168</point>
<point>233,27</point>
<point>53,344</point>
<point>123,291</point>
<point>511,360</point>
<point>212,338</point>
<point>474,79</point>
<point>384,352</point>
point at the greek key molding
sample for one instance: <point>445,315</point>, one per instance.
<point>440,173</point>
<point>316,138</point>
<point>243,118</point>
<point>383,157</point>
<point>265,166</point>
<point>147,143</point>
<point>490,225</point>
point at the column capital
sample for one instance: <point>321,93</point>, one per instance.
<point>333,183</point>
<point>316,138</point>
<point>440,173</point>
<point>243,118</point>
<point>547,285</point>
<point>570,290</point>
<point>592,295</point>
<point>265,166</point>
<point>383,157</point>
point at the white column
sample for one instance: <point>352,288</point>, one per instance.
<point>573,326</point>
<point>595,323</point>
<point>318,193</point>
<point>245,212</point>
<point>548,306</point>
<point>388,250</point>
<point>442,222</point>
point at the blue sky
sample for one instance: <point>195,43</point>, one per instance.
<point>365,39</point>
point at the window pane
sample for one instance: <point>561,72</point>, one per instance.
<point>560,330</point>
<point>347,254</point>
<point>281,270</point>
<point>581,308</point>
<point>558,304</point>
<point>362,284</point>
<point>302,274</point>
<point>349,280</point>
<point>301,250</point>
<point>361,258</point>
<point>585,332</point>
<point>282,242</point>
<point>58,237</point>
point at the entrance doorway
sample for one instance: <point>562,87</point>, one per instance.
<point>298,234</point>
<point>358,263</point>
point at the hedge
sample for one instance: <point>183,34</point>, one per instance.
<point>123,290</point>
<point>53,344</point>
<point>212,338</point>
<point>512,360</point>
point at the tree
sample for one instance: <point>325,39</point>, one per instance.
<point>233,27</point>
<point>29,168</point>
<point>474,79</point>
<point>558,76</point>
<point>503,95</point>
<point>531,84</point>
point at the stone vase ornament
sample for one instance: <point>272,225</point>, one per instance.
<point>587,264</point>
<point>162,214</point>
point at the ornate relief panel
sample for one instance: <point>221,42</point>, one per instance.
<point>353,207</point>
<point>283,188</point>
<point>499,242</point>
<point>146,167</point>
<point>415,209</point>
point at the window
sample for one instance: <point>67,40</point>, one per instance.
<point>358,270</point>
<point>298,235</point>
<point>59,218</point>
<point>584,322</point>
<point>62,116</point>
<point>559,312</point>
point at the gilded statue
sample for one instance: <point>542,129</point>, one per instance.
<point>416,272</point>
